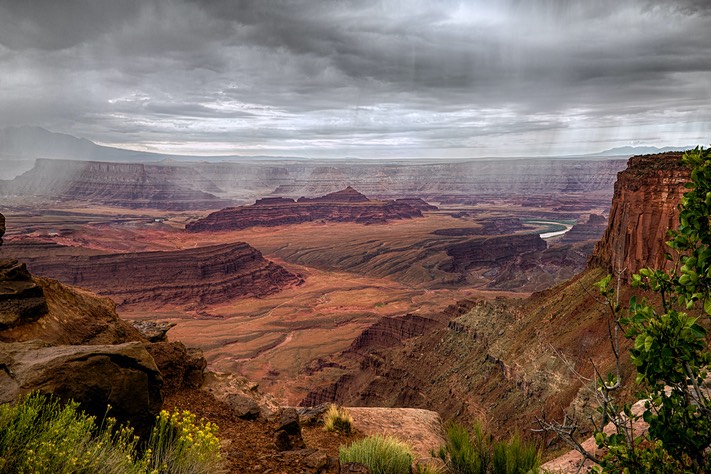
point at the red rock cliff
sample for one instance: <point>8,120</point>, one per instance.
<point>347,205</point>
<point>199,275</point>
<point>644,207</point>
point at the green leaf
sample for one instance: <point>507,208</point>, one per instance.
<point>707,306</point>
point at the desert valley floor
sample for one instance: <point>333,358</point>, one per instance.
<point>349,276</point>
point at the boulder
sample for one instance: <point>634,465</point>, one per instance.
<point>244,407</point>
<point>154,331</point>
<point>287,435</point>
<point>354,468</point>
<point>123,376</point>
<point>21,299</point>
<point>179,366</point>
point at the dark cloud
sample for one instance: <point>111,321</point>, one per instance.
<point>389,77</point>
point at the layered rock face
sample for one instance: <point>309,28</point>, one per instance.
<point>391,331</point>
<point>193,276</point>
<point>644,207</point>
<point>347,205</point>
<point>132,185</point>
<point>417,203</point>
<point>582,184</point>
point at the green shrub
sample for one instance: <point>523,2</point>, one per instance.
<point>337,419</point>
<point>464,452</point>
<point>478,453</point>
<point>382,455</point>
<point>39,434</point>
<point>181,445</point>
<point>514,456</point>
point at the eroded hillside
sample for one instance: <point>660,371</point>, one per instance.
<point>509,362</point>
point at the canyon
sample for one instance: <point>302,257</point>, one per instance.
<point>510,362</point>
<point>565,184</point>
<point>268,292</point>
<point>462,308</point>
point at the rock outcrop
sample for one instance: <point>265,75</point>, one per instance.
<point>347,205</point>
<point>123,376</point>
<point>644,208</point>
<point>389,332</point>
<point>591,229</point>
<point>21,299</point>
<point>178,365</point>
<point>192,276</point>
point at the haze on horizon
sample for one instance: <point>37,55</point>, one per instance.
<point>371,78</point>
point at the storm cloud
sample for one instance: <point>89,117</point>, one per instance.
<point>365,78</point>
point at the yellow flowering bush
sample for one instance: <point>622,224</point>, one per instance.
<point>181,444</point>
<point>40,435</point>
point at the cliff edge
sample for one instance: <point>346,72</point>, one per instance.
<point>644,207</point>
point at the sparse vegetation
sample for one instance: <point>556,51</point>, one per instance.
<point>477,452</point>
<point>337,419</point>
<point>382,455</point>
<point>39,434</point>
<point>179,444</point>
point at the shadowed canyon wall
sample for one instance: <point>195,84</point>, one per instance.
<point>193,276</point>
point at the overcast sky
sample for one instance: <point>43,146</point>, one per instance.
<point>369,78</point>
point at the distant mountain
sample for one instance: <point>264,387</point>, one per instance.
<point>29,143</point>
<point>25,143</point>
<point>639,150</point>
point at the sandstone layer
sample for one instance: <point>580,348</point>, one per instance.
<point>570,183</point>
<point>347,205</point>
<point>194,276</point>
<point>131,185</point>
<point>644,207</point>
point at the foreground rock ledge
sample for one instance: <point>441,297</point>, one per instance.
<point>124,376</point>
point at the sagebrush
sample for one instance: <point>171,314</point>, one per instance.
<point>382,454</point>
<point>40,434</point>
